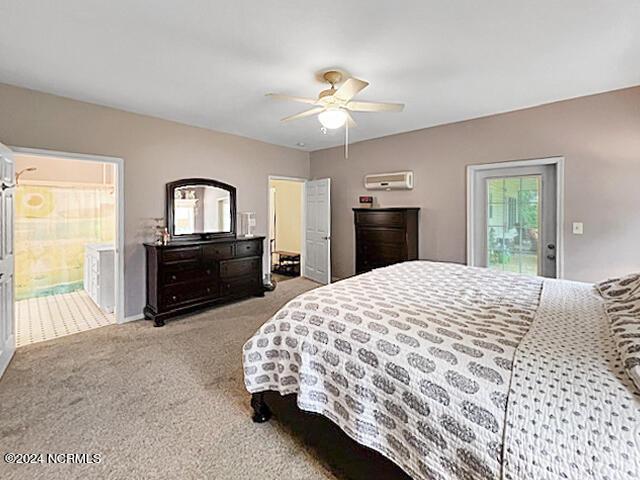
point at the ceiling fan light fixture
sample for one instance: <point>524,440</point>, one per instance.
<point>333,118</point>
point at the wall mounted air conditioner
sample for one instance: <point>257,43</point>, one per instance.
<point>389,181</point>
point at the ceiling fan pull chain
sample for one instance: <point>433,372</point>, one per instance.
<point>346,140</point>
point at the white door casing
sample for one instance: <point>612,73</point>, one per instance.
<point>7,320</point>
<point>317,246</point>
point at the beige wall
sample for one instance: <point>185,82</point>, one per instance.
<point>64,170</point>
<point>288,199</point>
<point>154,152</point>
<point>599,136</point>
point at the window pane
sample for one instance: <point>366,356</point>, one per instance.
<point>495,188</point>
<point>496,215</point>
<point>513,223</point>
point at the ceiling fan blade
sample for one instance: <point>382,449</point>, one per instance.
<point>349,89</point>
<point>374,107</point>
<point>350,121</point>
<point>306,113</point>
<point>277,96</point>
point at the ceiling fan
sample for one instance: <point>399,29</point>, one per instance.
<point>333,106</point>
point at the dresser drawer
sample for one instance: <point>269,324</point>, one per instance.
<point>249,248</point>
<point>174,275</point>
<point>371,263</point>
<point>181,254</point>
<point>240,267</point>
<point>217,252</point>
<point>381,219</point>
<point>381,235</point>
<point>240,287</point>
<point>188,292</point>
<point>383,251</point>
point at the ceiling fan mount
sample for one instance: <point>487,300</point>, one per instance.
<point>333,105</point>
<point>332,77</point>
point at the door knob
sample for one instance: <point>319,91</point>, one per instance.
<point>551,246</point>
<point>326,238</point>
<point>551,257</point>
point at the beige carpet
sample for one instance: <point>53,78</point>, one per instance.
<point>167,403</point>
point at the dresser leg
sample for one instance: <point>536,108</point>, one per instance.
<point>158,322</point>
<point>261,412</point>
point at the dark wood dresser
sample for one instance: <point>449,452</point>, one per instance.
<point>189,275</point>
<point>385,236</point>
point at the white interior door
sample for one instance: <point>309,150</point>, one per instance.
<point>7,323</point>
<point>317,248</point>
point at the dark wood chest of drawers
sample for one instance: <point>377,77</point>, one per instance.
<point>385,236</point>
<point>186,276</point>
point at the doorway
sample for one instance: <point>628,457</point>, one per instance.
<point>68,231</point>
<point>513,212</point>
<point>286,227</point>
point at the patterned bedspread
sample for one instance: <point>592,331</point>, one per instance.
<point>573,411</point>
<point>412,360</point>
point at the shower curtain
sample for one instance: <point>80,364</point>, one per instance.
<point>53,223</point>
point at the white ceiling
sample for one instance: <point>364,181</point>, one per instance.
<point>209,63</point>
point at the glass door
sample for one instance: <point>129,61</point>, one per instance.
<point>514,219</point>
<point>513,224</point>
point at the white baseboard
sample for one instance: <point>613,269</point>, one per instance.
<point>133,318</point>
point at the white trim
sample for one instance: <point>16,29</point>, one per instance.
<point>119,166</point>
<point>133,318</point>
<point>54,183</point>
<point>40,152</point>
<point>559,163</point>
<point>303,223</point>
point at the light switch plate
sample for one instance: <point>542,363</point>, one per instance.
<point>578,228</point>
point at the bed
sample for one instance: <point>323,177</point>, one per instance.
<point>455,372</point>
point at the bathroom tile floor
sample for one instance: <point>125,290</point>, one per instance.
<point>45,318</point>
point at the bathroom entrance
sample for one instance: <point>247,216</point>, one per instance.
<point>65,230</point>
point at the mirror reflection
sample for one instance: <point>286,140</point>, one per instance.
<point>201,209</point>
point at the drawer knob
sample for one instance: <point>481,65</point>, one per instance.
<point>173,277</point>
<point>208,272</point>
<point>174,298</point>
<point>208,290</point>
